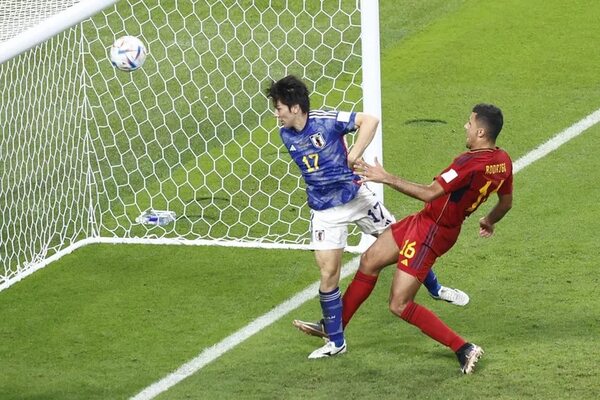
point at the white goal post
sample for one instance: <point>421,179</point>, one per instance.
<point>86,149</point>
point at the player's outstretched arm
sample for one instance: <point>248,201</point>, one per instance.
<point>376,173</point>
<point>486,224</point>
<point>367,126</point>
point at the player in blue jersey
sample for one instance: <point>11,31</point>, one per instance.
<point>315,141</point>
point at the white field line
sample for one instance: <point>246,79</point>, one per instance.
<point>561,138</point>
<point>212,353</point>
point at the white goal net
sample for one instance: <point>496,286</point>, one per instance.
<point>86,149</point>
<point>16,16</point>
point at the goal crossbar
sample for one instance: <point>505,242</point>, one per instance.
<point>50,27</point>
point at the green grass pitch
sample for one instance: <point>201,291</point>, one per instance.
<point>109,320</point>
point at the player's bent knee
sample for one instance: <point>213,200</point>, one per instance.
<point>368,265</point>
<point>397,307</point>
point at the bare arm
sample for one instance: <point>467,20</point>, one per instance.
<point>486,224</point>
<point>367,126</point>
<point>376,173</point>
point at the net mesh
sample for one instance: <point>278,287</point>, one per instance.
<point>17,16</point>
<point>85,148</point>
<point>44,193</point>
<point>192,132</point>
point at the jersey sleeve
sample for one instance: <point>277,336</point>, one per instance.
<point>345,122</point>
<point>453,177</point>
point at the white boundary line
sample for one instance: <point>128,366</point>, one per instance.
<point>558,140</point>
<point>212,353</point>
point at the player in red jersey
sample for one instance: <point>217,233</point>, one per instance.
<point>415,242</point>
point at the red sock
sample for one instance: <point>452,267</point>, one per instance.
<point>432,326</point>
<point>359,289</point>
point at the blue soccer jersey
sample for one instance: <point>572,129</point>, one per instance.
<point>321,153</point>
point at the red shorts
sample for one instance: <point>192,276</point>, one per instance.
<point>421,242</point>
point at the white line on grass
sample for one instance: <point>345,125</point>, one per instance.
<point>212,353</point>
<point>561,138</point>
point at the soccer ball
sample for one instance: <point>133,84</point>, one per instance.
<point>128,53</point>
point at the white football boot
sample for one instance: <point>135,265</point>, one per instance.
<point>328,350</point>
<point>452,296</point>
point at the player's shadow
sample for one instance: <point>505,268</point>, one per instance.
<point>425,121</point>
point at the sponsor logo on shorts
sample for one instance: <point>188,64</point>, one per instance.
<point>319,235</point>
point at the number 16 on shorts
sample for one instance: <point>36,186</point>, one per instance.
<point>407,251</point>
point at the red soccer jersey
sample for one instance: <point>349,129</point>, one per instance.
<point>471,178</point>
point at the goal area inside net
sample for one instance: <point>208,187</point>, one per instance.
<point>86,149</point>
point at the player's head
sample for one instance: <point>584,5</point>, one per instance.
<point>484,124</point>
<point>290,91</point>
<point>490,118</point>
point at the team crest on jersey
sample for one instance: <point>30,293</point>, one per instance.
<point>319,235</point>
<point>317,140</point>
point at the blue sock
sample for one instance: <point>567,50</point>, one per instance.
<point>431,283</point>
<point>331,304</point>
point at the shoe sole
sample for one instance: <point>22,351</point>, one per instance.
<point>309,330</point>
<point>472,359</point>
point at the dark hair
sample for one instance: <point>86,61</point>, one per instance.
<point>491,117</point>
<point>289,91</point>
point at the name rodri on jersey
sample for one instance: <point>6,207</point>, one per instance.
<point>321,152</point>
